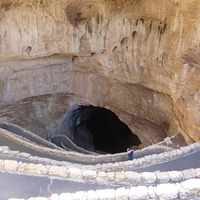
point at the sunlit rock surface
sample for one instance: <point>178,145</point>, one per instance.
<point>138,58</point>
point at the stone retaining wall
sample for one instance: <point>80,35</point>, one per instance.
<point>62,153</point>
<point>112,158</point>
<point>74,155</point>
<point>147,185</point>
<point>107,167</point>
<point>117,177</point>
<point>186,190</point>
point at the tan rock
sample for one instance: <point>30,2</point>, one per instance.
<point>132,177</point>
<point>108,194</point>
<point>111,176</point>
<point>65,196</point>
<point>2,164</point>
<point>58,171</point>
<point>148,178</point>
<point>139,193</point>
<point>92,195</point>
<point>162,177</point>
<point>172,191</point>
<point>119,177</point>
<point>189,173</point>
<point>33,168</point>
<point>89,174</point>
<point>191,186</point>
<point>121,194</point>
<point>175,176</point>
<point>75,173</point>
<point>21,167</point>
<point>11,165</point>
<point>79,195</point>
<point>102,177</point>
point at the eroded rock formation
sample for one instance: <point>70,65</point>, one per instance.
<point>138,58</point>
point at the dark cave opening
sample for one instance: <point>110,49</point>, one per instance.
<point>109,133</point>
<point>99,129</point>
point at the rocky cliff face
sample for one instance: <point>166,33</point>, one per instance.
<point>138,58</point>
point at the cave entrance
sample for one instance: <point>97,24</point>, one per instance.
<point>99,129</point>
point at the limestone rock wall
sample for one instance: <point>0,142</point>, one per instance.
<point>139,58</point>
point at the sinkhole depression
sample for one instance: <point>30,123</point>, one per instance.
<point>92,128</point>
<point>97,129</point>
<point>138,72</point>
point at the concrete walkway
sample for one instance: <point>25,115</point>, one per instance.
<point>26,186</point>
<point>182,163</point>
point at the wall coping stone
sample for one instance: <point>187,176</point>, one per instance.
<point>116,177</point>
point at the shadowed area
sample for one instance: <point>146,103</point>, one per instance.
<point>98,129</point>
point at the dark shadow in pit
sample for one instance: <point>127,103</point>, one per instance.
<point>98,129</point>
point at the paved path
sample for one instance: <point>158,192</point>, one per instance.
<point>15,146</point>
<point>19,147</point>
<point>31,137</point>
<point>185,162</point>
<point>25,186</point>
<point>62,141</point>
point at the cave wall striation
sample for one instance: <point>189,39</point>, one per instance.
<point>138,58</point>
